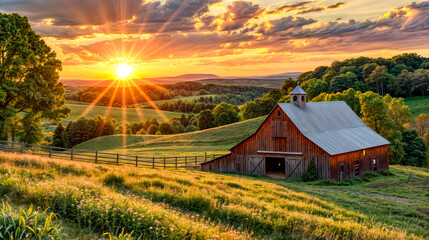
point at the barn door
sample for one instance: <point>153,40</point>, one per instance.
<point>255,165</point>
<point>294,167</point>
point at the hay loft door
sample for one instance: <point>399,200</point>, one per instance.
<point>294,167</point>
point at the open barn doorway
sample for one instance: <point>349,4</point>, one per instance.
<point>275,167</point>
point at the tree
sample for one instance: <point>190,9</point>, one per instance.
<point>28,76</point>
<point>32,132</point>
<point>415,149</point>
<point>311,173</point>
<point>342,82</point>
<point>380,78</point>
<point>420,82</point>
<point>375,114</point>
<point>231,112</point>
<point>314,87</point>
<point>165,128</point>
<point>422,124</point>
<point>191,128</point>
<point>396,148</point>
<point>57,140</point>
<point>397,111</point>
<point>154,122</point>
<point>288,86</point>
<point>205,119</point>
<point>152,129</point>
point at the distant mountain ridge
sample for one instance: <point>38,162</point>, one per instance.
<point>267,81</point>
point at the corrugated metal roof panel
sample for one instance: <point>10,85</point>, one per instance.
<point>333,126</point>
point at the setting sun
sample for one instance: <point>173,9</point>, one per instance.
<point>123,71</point>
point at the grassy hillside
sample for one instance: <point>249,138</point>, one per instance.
<point>116,113</point>
<point>91,199</point>
<point>213,141</point>
<point>418,105</point>
<point>190,98</point>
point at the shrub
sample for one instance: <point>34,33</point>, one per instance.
<point>311,173</point>
<point>386,173</point>
<point>113,179</point>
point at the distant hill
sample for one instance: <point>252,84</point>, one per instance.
<point>275,80</point>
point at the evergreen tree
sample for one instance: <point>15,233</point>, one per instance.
<point>57,140</point>
<point>415,149</point>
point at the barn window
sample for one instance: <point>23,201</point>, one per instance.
<point>302,98</point>
<point>342,172</point>
<point>374,164</point>
<point>278,129</point>
<point>295,98</point>
<point>356,168</point>
<point>210,167</point>
<point>278,113</point>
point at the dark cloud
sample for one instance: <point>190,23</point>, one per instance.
<point>237,15</point>
<point>301,8</point>
<point>336,5</point>
<point>289,7</point>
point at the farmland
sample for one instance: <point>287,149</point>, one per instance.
<point>173,204</point>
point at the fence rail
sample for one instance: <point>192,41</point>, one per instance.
<point>105,157</point>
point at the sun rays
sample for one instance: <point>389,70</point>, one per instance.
<point>121,60</point>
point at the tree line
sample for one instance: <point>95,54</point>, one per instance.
<point>132,95</point>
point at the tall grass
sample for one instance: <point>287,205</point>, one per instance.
<point>30,224</point>
<point>180,204</point>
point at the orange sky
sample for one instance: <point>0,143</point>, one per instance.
<point>227,38</point>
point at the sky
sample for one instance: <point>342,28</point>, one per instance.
<point>223,37</point>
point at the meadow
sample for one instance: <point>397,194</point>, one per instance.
<point>211,141</point>
<point>418,105</point>
<point>90,200</point>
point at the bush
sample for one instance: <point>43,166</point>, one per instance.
<point>113,179</point>
<point>152,129</point>
<point>386,173</point>
<point>311,173</point>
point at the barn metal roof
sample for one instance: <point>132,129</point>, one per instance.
<point>298,90</point>
<point>333,126</point>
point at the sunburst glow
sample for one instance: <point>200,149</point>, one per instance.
<point>123,71</point>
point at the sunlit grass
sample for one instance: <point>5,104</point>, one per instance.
<point>188,204</point>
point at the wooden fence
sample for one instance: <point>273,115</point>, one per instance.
<point>104,157</point>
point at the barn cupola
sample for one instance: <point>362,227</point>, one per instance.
<point>298,96</point>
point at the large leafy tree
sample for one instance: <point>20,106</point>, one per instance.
<point>28,76</point>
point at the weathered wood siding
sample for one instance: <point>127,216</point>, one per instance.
<point>268,138</point>
<point>244,157</point>
<point>365,162</point>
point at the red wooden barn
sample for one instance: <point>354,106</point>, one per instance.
<point>341,145</point>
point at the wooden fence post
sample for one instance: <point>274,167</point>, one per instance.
<point>71,153</point>
<point>96,156</point>
<point>176,162</point>
<point>164,162</point>
<point>153,162</point>
<point>137,161</point>
<point>22,147</point>
<point>50,151</point>
<point>117,158</point>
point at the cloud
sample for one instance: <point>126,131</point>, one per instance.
<point>301,8</point>
<point>237,15</point>
<point>277,26</point>
<point>66,17</point>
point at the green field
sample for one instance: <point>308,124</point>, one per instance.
<point>190,98</point>
<point>90,199</point>
<point>213,141</point>
<point>116,113</point>
<point>418,105</point>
